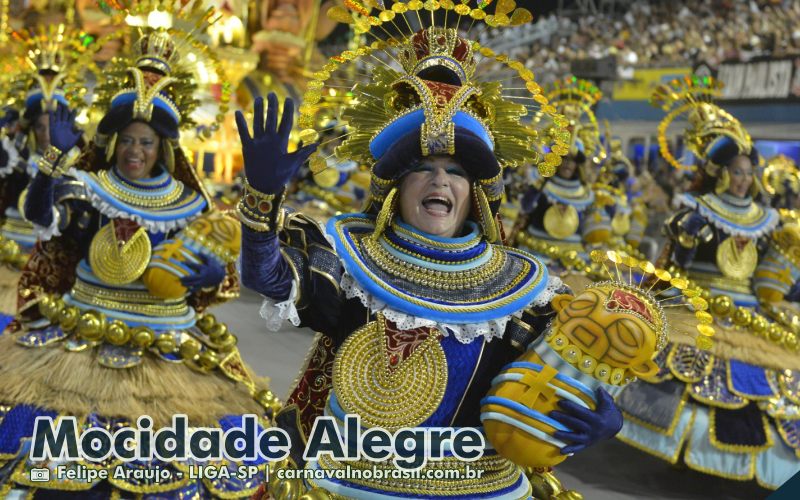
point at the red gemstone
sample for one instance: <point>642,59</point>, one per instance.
<point>394,359</point>
<point>264,206</point>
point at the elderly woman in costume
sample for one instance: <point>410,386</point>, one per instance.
<point>730,411</point>
<point>415,290</point>
<point>131,254</point>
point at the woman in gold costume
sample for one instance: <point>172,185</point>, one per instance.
<point>730,411</point>
<point>418,304</point>
<point>131,254</point>
<point>50,61</point>
<point>562,218</point>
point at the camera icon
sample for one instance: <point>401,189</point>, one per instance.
<point>40,475</point>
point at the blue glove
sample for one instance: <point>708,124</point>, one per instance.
<point>268,166</point>
<point>793,295</point>
<point>588,427</point>
<point>9,116</point>
<point>63,133</point>
<point>693,223</point>
<point>530,199</point>
<point>209,273</point>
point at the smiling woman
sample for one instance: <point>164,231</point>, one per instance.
<point>137,150</point>
<point>418,303</point>
<point>435,196</point>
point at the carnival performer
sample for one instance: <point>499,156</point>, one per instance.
<point>50,69</point>
<point>617,180</point>
<point>417,303</point>
<point>562,218</point>
<point>730,411</point>
<point>131,253</point>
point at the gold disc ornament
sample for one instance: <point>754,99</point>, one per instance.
<point>737,263</point>
<point>119,263</point>
<point>621,224</point>
<point>382,389</point>
<point>561,221</point>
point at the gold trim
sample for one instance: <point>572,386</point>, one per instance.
<point>729,384</point>
<point>712,472</point>
<point>672,425</point>
<point>671,459</point>
<point>737,448</point>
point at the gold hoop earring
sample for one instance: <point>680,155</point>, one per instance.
<point>31,142</point>
<point>111,147</point>
<point>723,182</point>
<point>386,213</point>
<point>486,219</point>
<point>756,188</point>
<point>169,155</point>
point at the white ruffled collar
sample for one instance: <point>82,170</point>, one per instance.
<point>173,216</point>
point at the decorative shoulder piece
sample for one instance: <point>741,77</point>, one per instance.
<point>259,211</point>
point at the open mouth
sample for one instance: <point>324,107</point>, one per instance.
<point>133,163</point>
<point>437,205</point>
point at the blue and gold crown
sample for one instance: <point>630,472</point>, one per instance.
<point>437,87</point>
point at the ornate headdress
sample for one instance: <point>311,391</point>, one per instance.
<point>710,128</point>
<point>780,175</point>
<point>53,63</point>
<point>424,97</point>
<point>575,99</point>
<point>156,81</point>
<point>617,165</point>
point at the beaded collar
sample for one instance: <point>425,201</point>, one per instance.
<point>447,280</point>
<point>160,203</point>
<point>735,216</point>
<point>567,192</point>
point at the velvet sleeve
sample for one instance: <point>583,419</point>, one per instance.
<point>297,272</point>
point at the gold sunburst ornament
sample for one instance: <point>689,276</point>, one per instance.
<point>737,260</point>
<point>385,388</point>
<point>116,262</point>
<point>561,221</point>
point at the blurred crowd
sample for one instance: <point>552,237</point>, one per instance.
<point>660,33</point>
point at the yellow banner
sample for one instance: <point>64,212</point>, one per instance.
<point>645,81</point>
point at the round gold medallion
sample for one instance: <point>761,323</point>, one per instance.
<point>118,264</point>
<point>621,224</point>
<point>384,392</point>
<point>737,263</point>
<point>561,221</point>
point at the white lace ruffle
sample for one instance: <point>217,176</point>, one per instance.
<point>13,156</point>
<point>713,218</point>
<point>276,312</point>
<point>464,333</point>
<point>46,233</point>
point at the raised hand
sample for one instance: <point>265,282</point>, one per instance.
<point>209,273</point>
<point>268,167</point>
<point>693,223</point>
<point>588,427</point>
<point>10,115</point>
<point>63,134</point>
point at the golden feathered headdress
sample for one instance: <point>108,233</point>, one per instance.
<point>431,79</point>
<point>575,99</point>
<point>51,65</point>
<point>693,96</point>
